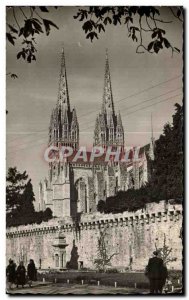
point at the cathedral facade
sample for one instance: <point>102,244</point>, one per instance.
<point>75,186</point>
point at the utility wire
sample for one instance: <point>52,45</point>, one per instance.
<point>145,101</point>
<point>30,146</point>
<point>132,95</point>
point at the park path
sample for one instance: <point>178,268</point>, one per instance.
<point>76,289</point>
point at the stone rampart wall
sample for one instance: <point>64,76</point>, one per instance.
<point>133,236</point>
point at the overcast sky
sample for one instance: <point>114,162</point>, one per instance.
<point>31,97</point>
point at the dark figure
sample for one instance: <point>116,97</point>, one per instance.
<point>164,276</point>
<point>154,272</point>
<point>21,274</point>
<point>11,273</point>
<point>32,272</point>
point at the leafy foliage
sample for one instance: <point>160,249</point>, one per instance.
<point>26,30</point>
<point>16,183</point>
<point>167,176</point>
<point>139,20</point>
<point>19,201</point>
<point>165,252</point>
<point>166,181</point>
<point>103,260</point>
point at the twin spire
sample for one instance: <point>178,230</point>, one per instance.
<point>64,127</point>
<point>107,103</point>
<point>63,95</point>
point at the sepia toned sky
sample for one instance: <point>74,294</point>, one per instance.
<point>31,97</point>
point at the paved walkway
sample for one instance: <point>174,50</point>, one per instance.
<point>77,289</point>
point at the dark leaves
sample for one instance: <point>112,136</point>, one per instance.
<point>154,34</point>
<point>107,20</point>
<point>150,46</point>
<point>116,19</point>
<point>36,24</point>
<point>166,43</point>
<point>47,24</point>
<point>157,46</point>
<point>21,54</point>
<point>14,76</point>
<point>91,35</point>
<point>87,26</point>
<point>10,38</point>
<point>14,30</point>
<point>43,8</point>
<point>127,19</point>
<point>100,27</point>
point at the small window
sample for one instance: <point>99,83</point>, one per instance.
<point>56,260</point>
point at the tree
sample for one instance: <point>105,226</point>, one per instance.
<point>19,201</point>
<point>27,208</point>
<point>47,214</point>
<point>138,20</point>
<point>142,24</point>
<point>28,23</point>
<point>103,259</point>
<point>166,180</point>
<point>16,183</point>
<point>101,206</point>
<point>165,253</point>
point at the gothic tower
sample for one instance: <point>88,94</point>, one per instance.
<point>63,131</point>
<point>64,127</point>
<point>108,127</point>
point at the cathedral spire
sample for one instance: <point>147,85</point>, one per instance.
<point>151,150</point>
<point>107,104</point>
<point>108,127</point>
<point>63,95</point>
<point>64,128</point>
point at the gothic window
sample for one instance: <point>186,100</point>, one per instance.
<point>140,176</point>
<point>105,189</point>
<point>116,185</point>
<point>56,260</point>
<point>73,135</point>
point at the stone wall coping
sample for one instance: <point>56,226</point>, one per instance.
<point>98,219</point>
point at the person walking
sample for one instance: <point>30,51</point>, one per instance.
<point>11,273</point>
<point>21,274</point>
<point>32,272</point>
<point>154,272</point>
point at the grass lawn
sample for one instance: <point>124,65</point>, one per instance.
<point>129,279</point>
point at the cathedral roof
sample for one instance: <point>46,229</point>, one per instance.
<point>101,160</point>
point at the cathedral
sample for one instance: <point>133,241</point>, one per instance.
<point>73,187</point>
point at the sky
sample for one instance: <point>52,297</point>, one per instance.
<point>31,98</point>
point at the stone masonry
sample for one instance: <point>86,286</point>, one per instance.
<point>132,235</point>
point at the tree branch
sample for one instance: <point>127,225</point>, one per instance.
<point>14,15</point>
<point>175,15</point>
<point>161,21</point>
<point>23,12</point>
